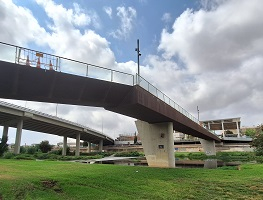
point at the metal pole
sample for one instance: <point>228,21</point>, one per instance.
<point>138,58</point>
<point>197,113</point>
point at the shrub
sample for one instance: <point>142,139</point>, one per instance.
<point>9,155</point>
<point>3,145</point>
<point>44,146</point>
<point>259,159</point>
<point>24,157</point>
<point>41,156</point>
<point>22,149</point>
<point>31,150</point>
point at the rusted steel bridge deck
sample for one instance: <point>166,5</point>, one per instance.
<point>33,84</point>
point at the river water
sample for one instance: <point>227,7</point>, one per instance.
<point>179,163</point>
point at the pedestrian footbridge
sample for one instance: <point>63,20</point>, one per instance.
<point>36,76</point>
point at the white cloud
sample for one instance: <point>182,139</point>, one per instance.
<point>18,25</point>
<point>65,39</point>
<point>167,17</point>
<point>108,11</point>
<point>65,19</point>
<point>127,17</point>
<point>221,51</point>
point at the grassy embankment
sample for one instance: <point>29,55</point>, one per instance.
<point>27,179</point>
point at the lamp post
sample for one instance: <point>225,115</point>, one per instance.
<point>138,59</point>
<point>197,114</point>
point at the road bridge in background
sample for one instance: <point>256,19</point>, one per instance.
<point>36,76</point>
<point>23,118</point>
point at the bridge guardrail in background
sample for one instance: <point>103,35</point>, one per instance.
<point>48,61</point>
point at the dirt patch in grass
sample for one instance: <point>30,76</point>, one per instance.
<point>51,184</point>
<point>6,177</point>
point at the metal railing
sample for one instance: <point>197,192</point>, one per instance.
<point>48,61</point>
<point>160,95</point>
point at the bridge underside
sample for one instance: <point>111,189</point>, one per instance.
<point>26,83</point>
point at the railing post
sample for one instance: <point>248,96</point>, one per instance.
<point>111,75</point>
<point>87,73</point>
<point>148,87</point>
<point>57,64</point>
<point>18,57</point>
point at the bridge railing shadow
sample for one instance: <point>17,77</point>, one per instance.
<point>32,58</point>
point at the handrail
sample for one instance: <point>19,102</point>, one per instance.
<point>69,59</point>
<point>170,102</point>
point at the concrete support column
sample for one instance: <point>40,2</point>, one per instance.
<point>101,146</point>
<point>64,150</point>
<point>158,143</point>
<point>5,131</point>
<point>208,125</point>
<point>238,132</point>
<point>18,136</point>
<point>89,147</point>
<point>223,128</point>
<point>210,164</point>
<point>209,147</point>
<point>77,144</point>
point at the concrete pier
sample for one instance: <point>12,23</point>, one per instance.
<point>64,150</point>
<point>209,147</point>
<point>77,144</point>
<point>158,144</point>
<point>18,136</point>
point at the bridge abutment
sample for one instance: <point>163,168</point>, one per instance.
<point>158,143</point>
<point>209,147</point>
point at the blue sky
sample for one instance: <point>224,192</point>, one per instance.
<point>200,53</point>
<point>147,25</point>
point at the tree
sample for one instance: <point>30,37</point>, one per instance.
<point>257,141</point>
<point>250,132</point>
<point>31,150</point>
<point>85,144</point>
<point>3,145</point>
<point>44,146</point>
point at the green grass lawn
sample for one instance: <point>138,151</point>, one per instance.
<point>22,179</point>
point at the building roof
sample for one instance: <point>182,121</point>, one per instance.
<point>222,124</point>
